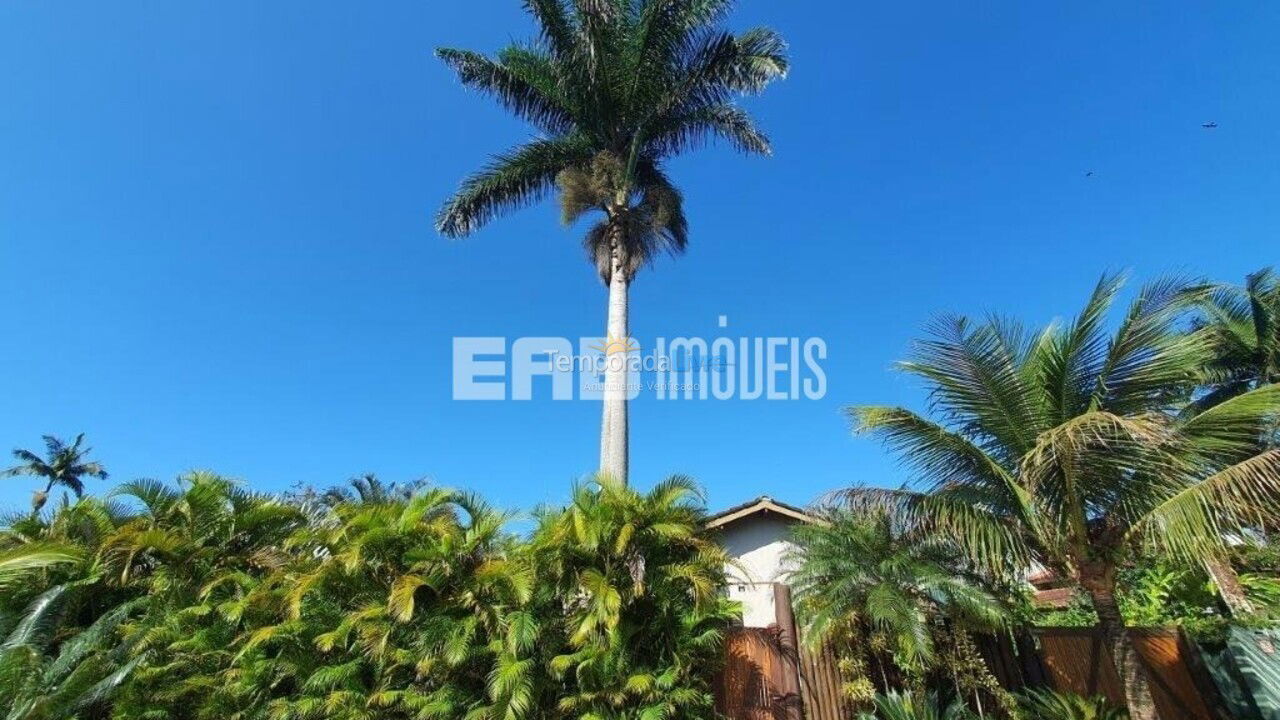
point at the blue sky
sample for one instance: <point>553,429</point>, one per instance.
<point>215,226</point>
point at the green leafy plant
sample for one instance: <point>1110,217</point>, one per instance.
<point>895,705</point>
<point>1069,447</point>
<point>882,596</point>
<point>1045,704</point>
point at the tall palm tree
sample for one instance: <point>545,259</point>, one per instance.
<point>865,583</point>
<point>63,465</point>
<point>1067,447</point>
<point>614,88</point>
<point>1242,325</point>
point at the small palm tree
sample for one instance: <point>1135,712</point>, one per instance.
<point>368,488</point>
<point>1068,447</point>
<point>1047,704</point>
<point>864,583</point>
<point>63,465</point>
<point>895,705</point>
<point>614,89</point>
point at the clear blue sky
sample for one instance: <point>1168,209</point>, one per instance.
<point>215,225</point>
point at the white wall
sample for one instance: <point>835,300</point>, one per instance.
<point>758,543</point>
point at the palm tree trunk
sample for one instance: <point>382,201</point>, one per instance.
<point>1229,588</point>
<point>613,424</point>
<point>1100,583</point>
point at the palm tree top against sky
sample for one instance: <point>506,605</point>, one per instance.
<point>63,465</point>
<point>1069,447</point>
<point>224,216</point>
<point>615,88</point>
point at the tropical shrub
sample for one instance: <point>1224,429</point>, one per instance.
<point>202,600</point>
<point>897,605</point>
<point>632,589</point>
<point>896,705</point>
<point>1042,704</point>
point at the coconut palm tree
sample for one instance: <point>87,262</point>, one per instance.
<point>1242,325</point>
<point>1067,447</point>
<point>63,465</point>
<point>863,583</point>
<point>614,89</point>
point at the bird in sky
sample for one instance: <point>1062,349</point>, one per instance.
<point>1209,125</point>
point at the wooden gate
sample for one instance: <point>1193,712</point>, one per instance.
<point>765,678</point>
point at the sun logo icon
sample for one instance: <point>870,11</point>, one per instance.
<point>612,345</point>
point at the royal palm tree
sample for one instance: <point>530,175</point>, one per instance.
<point>614,88</point>
<point>1067,447</point>
<point>863,583</point>
<point>63,465</point>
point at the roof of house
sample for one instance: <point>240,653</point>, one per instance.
<point>762,504</point>
<point>1054,598</point>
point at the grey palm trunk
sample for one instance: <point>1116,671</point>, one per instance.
<point>614,458</point>
<point>1228,583</point>
<point>1100,584</point>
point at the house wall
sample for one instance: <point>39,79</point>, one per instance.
<point>758,543</point>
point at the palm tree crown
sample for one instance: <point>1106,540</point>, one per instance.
<point>1069,446</point>
<point>864,569</point>
<point>1243,325</point>
<point>63,465</point>
<point>614,88</point>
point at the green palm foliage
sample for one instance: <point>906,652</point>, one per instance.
<point>915,706</point>
<point>888,596</point>
<point>407,611</point>
<point>1242,325</point>
<point>200,600</point>
<point>195,551</point>
<point>1051,705</point>
<point>64,653</point>
<point>63,465</point>
<point>36,684</point>
<point>614,89</point>
<point>1067,447</point>
<point>632,588</point>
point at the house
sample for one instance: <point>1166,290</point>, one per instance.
<point>757,535</point>
<point>768,673</point>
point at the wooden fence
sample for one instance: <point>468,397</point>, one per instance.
<point>767,678</point>
<point>1077,660</point>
